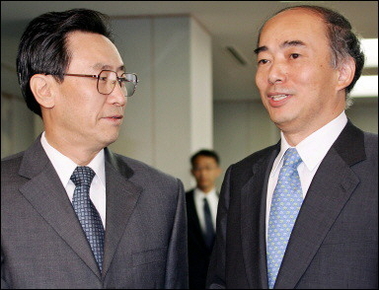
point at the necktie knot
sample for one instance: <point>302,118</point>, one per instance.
<point>291,158</point>
<point>82,175</point>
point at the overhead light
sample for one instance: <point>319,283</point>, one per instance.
<point>236,55</point>
<point>366,86</point>
<point>370,49</point>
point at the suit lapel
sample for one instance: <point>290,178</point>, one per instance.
<point>122,196</point>
<point>253,206</point>
<point>331,188</point>
<point>46,194</point>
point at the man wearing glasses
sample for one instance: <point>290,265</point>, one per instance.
<point>73,213</point>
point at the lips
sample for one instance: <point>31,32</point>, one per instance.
<point>279,97</point>
<point>113,118</point>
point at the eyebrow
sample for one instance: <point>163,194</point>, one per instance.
<point>285,44</point>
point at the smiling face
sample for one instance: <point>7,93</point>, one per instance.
<point>298,85</point>
<point>81,116</point>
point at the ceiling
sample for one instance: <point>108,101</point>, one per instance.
<point>229,23</point>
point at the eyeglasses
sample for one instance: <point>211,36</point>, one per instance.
<point>107,79</point>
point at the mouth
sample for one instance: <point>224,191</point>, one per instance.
<point>279,97</point>
<point>113,118</point>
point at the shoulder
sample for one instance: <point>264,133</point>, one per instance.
<point>239,173</point>
<point>140,172</point>
<point>371,148</point>
<point>190,194</point>
<point>254,159</point>
<point>371,140</point>
<point>11,179</point>
<point>10,165</point>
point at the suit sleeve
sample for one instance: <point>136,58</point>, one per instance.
<point>216,270</point>
<point>177,257</point>
<point>4,284</point>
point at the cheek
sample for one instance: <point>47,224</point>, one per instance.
<point>259,80</point>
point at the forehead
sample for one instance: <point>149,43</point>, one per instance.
<point>204,159</point>
<point>92,50</point>
<point>300,24</point>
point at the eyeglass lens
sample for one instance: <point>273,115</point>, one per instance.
<point>108,79</point>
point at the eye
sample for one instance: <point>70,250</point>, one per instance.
<point>294,55</point>
<point>122,81</point>
<point>262,61</point>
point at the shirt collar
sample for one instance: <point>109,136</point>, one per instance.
<point>201,194</point>
<point>64,166</point>
<point>313,149</point>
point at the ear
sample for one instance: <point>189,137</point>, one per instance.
<point>42,88</point>
<point>346,73</point>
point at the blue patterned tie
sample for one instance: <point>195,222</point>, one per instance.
<point>285,206</point>
<point>88,215</point>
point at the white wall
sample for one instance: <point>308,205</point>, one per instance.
<point>170,115</point>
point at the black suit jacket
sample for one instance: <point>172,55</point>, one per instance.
<point>334,242</point>
<point>198,253</point>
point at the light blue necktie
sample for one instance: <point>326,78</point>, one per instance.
<point>285,206</point>
<point>88,215</point>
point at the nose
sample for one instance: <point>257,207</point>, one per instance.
<point>277,74</point>
<point>117,97</point>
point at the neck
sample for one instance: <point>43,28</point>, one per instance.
<point>206,190</point>
<point>80,155</point>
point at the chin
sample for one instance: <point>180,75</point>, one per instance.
<point>110,139</point>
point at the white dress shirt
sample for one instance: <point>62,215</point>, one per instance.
<point>212,198</point>
<point>312,151</point>
<point>64,166</point>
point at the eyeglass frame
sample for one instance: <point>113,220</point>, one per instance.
<point>98,78</point>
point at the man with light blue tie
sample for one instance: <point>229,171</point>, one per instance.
<point>303,214</point>
<point>74,214</point>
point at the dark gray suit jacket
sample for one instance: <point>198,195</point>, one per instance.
<point>334,243</point>
<point>43,245</point>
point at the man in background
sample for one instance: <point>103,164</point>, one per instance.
<point>202,204</point>
<point>73,213</point>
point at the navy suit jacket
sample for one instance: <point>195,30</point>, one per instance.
<point>334,242</point>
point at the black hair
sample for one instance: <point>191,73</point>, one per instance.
<point>207,153</point>
<point>43,46</point>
